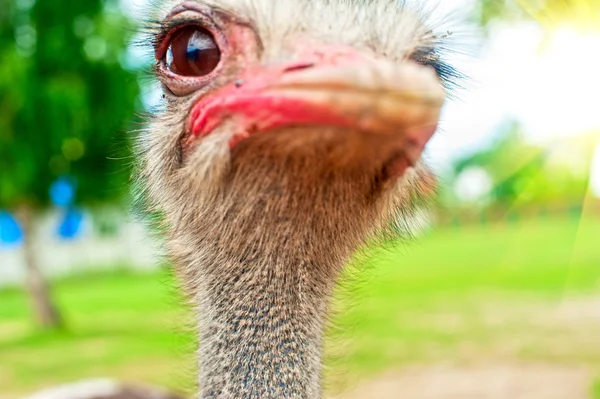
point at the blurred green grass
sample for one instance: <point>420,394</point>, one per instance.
<point>479,292</point>
<point>519,292</point>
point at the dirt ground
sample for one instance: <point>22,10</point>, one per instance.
<point>507,381</point>
<point>567,336</point>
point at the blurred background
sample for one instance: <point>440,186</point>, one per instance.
<point>498,296</point>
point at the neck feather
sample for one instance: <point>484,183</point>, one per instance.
<point>261,331</point>
<point>262,308</point>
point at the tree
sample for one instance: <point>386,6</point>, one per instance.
<point>585,14</point>
<point>64,108</point>
<point>527,174</point>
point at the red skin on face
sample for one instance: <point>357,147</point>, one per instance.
<point>256,108</point>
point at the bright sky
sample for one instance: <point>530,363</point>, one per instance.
<point>548,81</point>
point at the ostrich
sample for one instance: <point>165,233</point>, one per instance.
<point>290,137</point>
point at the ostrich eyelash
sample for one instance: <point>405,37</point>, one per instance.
<point>431,53</point>
<point>161,32</point>
<point>430,56</point>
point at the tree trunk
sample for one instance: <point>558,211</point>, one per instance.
<point>45,311</point>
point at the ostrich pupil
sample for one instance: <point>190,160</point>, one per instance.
<point>192,52</point>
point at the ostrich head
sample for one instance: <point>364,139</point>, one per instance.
<point>290,135</point>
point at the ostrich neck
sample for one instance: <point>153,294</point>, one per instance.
<point>262,269</point>
<point>261,330</point>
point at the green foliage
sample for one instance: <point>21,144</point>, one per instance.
<point>489,10</point>
<point>584,14</point>
<point>596,389</point>
<point>65,100</point>
<point>526,174</point>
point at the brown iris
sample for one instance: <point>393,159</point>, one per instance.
<point>192,52</point>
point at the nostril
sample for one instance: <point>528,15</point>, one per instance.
<point>299,66</point>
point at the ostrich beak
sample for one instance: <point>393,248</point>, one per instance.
<point>400,101</point>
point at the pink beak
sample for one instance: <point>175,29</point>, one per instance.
<point>403,101</point>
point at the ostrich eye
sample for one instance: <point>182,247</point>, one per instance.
<point>192,52</point>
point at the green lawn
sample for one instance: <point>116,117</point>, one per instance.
<point>510,292</point>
